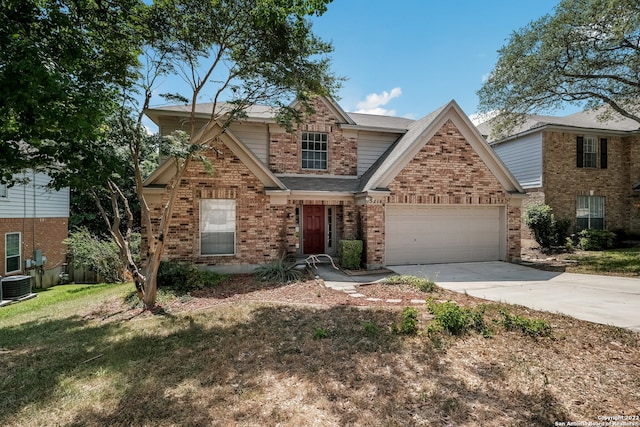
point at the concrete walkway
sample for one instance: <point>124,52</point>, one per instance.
<point>338,280</point>
<point>600,299</point>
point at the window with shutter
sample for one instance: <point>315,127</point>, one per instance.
<point>587,152</point>
<point>603,153</point>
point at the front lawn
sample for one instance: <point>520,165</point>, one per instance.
<point>618,262</point>
<point>247,354</point>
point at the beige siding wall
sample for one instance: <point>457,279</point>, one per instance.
<point>371,146</point>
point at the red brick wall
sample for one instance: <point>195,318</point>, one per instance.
<point>263,231</point>
<point>564,181</point>
<point>285,149</point>
<point>39,233</point>
<point>446,171</point>
<point>633,144</point>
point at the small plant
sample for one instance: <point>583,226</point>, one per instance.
<point>596,240</point>
<point>456,320</point>
<point>451,317</point>
<point>422,284</point>
<point>278,271</point>
<point>321,333</point>
<point>370,329</point>
<point>350,254</point>
<point>409,323</point>
<point>529,327</point>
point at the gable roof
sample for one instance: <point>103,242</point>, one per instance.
<point>419,133</point>
<point>166,171</point>
<point>414,135</point>
<point>587,120</point>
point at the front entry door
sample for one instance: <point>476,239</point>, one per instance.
<point>313,229</point>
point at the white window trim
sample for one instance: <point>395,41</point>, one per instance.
<point>590,140</point>
<point>588,209</point>
<point>326,135</point>
<point>6,256</point>
<point>4,192</point>
<point>201,225</point>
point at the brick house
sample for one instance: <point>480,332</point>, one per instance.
<point>585,169</point>
<point>34,220</point>
<point>424,191</point>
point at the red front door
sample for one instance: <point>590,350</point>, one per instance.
<point>313,229</point>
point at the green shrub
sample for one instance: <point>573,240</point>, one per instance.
<point>457,320</point>
<point>422,284</point>
<point>321,333</point>
<point>409,323</point>
<point>184,277</point>
<point>530,327</point>
<point>596,240</point>
<point>545,228</point>
<point>370,329</point>
<point>278,271</point>
<point>99,256</point>
<point>350,254</point>
<point>451,317</point>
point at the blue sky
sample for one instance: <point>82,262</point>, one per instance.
<point>409,57</point>
<point>417,55</point>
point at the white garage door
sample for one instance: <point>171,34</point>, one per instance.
<point>427,235</point>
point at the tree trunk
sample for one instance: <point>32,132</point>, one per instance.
<point>151,278</point>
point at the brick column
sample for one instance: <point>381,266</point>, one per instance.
<point>372,217</point>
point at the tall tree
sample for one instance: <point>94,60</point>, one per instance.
<point>61,62</point>
<point>587,53</point>
<point>244,52</point>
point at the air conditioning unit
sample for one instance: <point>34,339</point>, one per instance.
<point>16,287</point>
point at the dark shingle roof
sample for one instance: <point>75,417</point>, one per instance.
<point>314,183</point>
<point>372,120</point>
<point>584,119</point>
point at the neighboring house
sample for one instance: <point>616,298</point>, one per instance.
<point>425,191</point>
<point>33,222</point>
<point>588,171</point>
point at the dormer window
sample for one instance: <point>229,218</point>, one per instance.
<point>314,150</point>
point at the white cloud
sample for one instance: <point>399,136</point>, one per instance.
<point>373,103</point>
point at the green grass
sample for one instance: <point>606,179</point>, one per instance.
<point>59,299</point>
<point>624,261</point>
<point>422,284</point>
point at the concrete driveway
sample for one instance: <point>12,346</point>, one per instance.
<point>600,299</point>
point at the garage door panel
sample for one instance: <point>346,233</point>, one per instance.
<point>422,235</point>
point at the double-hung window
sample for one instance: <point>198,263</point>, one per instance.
<point>590,212</point>
<point>4,191</point>
<point>13,255</point>
<point>314,150</point>
<point>587,150</point>
<point>217,227</point>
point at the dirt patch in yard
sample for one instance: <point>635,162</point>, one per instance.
<point>303,354</point>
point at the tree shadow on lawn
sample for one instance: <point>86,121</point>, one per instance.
<point>252,365</point>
